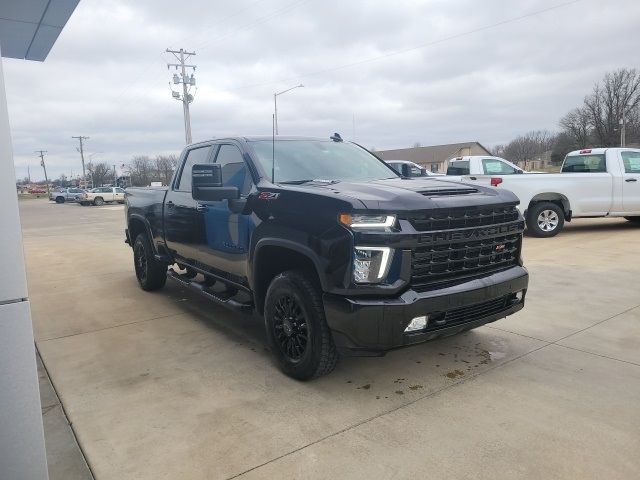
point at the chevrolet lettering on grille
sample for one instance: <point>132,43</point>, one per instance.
<point>471,234</point>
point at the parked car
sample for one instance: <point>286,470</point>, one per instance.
<point>594,182</point>
<point>410,169</point>
<point>36,191</point>
<point>330,245</point>
<point>62,195</point>
<point>480,165</point>
<point>102,195</point>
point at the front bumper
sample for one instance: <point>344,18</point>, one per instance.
<point>371,326</point>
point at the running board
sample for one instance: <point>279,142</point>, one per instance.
<point>198,287</point>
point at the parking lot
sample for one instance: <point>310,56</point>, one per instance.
<point>167,385</point>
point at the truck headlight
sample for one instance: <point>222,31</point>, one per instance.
<point>371,264</point>
<point>369,222</point>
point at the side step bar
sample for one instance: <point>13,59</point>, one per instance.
<point>198,287</point>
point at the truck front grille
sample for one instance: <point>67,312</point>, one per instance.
<point>450,256</point>
<point>464,217</point>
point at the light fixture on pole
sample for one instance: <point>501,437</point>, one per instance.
<point>275,104</point>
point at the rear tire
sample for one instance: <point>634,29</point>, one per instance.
<point>296,326</point>
<point>633,219</point>
<point>545,219</point>
<point>59,199</point>
<point>98,201</point>
<point>151,274</point>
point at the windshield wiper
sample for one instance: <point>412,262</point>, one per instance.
<point>319,180</point>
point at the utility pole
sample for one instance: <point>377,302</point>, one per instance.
<point>46,179</point>
<point>81,150</point>
<point>115,176</point>
<point>623,128</point>
<point>187,82</point>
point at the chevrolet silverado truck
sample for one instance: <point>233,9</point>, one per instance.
<point>329,245</point>
<point>594,182</point>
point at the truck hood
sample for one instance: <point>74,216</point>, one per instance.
<point>412,193</point>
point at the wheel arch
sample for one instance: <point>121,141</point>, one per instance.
<point>558,198</point>
<point>136,225</point>
<point>274,256</point>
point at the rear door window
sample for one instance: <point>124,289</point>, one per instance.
<point>458,168</point>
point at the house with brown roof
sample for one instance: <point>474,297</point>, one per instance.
<point>435,157</point>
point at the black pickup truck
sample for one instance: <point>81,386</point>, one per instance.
<point>337,252</point>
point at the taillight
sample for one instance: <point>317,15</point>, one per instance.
<point>495,181</point>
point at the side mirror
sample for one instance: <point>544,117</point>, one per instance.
<point>206,184</point>
<point>519,171</point>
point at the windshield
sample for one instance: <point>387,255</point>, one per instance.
<point>306,160</point>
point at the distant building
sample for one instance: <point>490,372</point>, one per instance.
<point>434,158</point>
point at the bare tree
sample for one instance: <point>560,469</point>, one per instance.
<point>417,145</point>
<point>165,165</point>
<point>527,147</point>
<point>99,173</point>
<point>142,171</point>
<point>577,125</point>
<point>617,93</point>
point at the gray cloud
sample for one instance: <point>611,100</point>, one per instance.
<point>107,77</point>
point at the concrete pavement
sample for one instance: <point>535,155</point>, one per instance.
<point>168,385</point>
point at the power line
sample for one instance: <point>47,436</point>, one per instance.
<point>405,50</point>
<point>261,20</point>
<point>187,82</point>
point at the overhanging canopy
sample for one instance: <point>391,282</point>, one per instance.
<point>29,28</point>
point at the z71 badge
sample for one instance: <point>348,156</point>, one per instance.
<point>268,196</point>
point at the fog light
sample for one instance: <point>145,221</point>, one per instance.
<point>418,323</point>
<point>519,296</point>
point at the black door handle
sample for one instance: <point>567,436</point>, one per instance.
<point>472,178</point>
<point>631,180</point>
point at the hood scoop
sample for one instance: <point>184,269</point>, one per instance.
<point>447,192</point>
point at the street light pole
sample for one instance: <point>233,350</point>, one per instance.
<point>275,104</point>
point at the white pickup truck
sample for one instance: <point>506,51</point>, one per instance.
<point>597,182</point>
<point>480,165</point>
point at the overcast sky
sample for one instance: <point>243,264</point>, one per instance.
<point>429,71</point>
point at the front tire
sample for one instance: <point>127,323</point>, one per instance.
<point>59,199</point>
<point>151,274</point>
<point>545,219</point>
<point>296,326</point>
<point>98,201</point>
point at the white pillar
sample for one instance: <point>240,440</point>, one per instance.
<point>22,453</point>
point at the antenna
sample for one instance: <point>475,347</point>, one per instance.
<point>273,148</point>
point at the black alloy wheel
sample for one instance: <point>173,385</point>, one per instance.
<point>296,326</point>
<point>290,327</point>
<point>151,273</point>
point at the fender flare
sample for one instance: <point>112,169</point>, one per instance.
<point>147,228</point>
<point>291,245</point>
